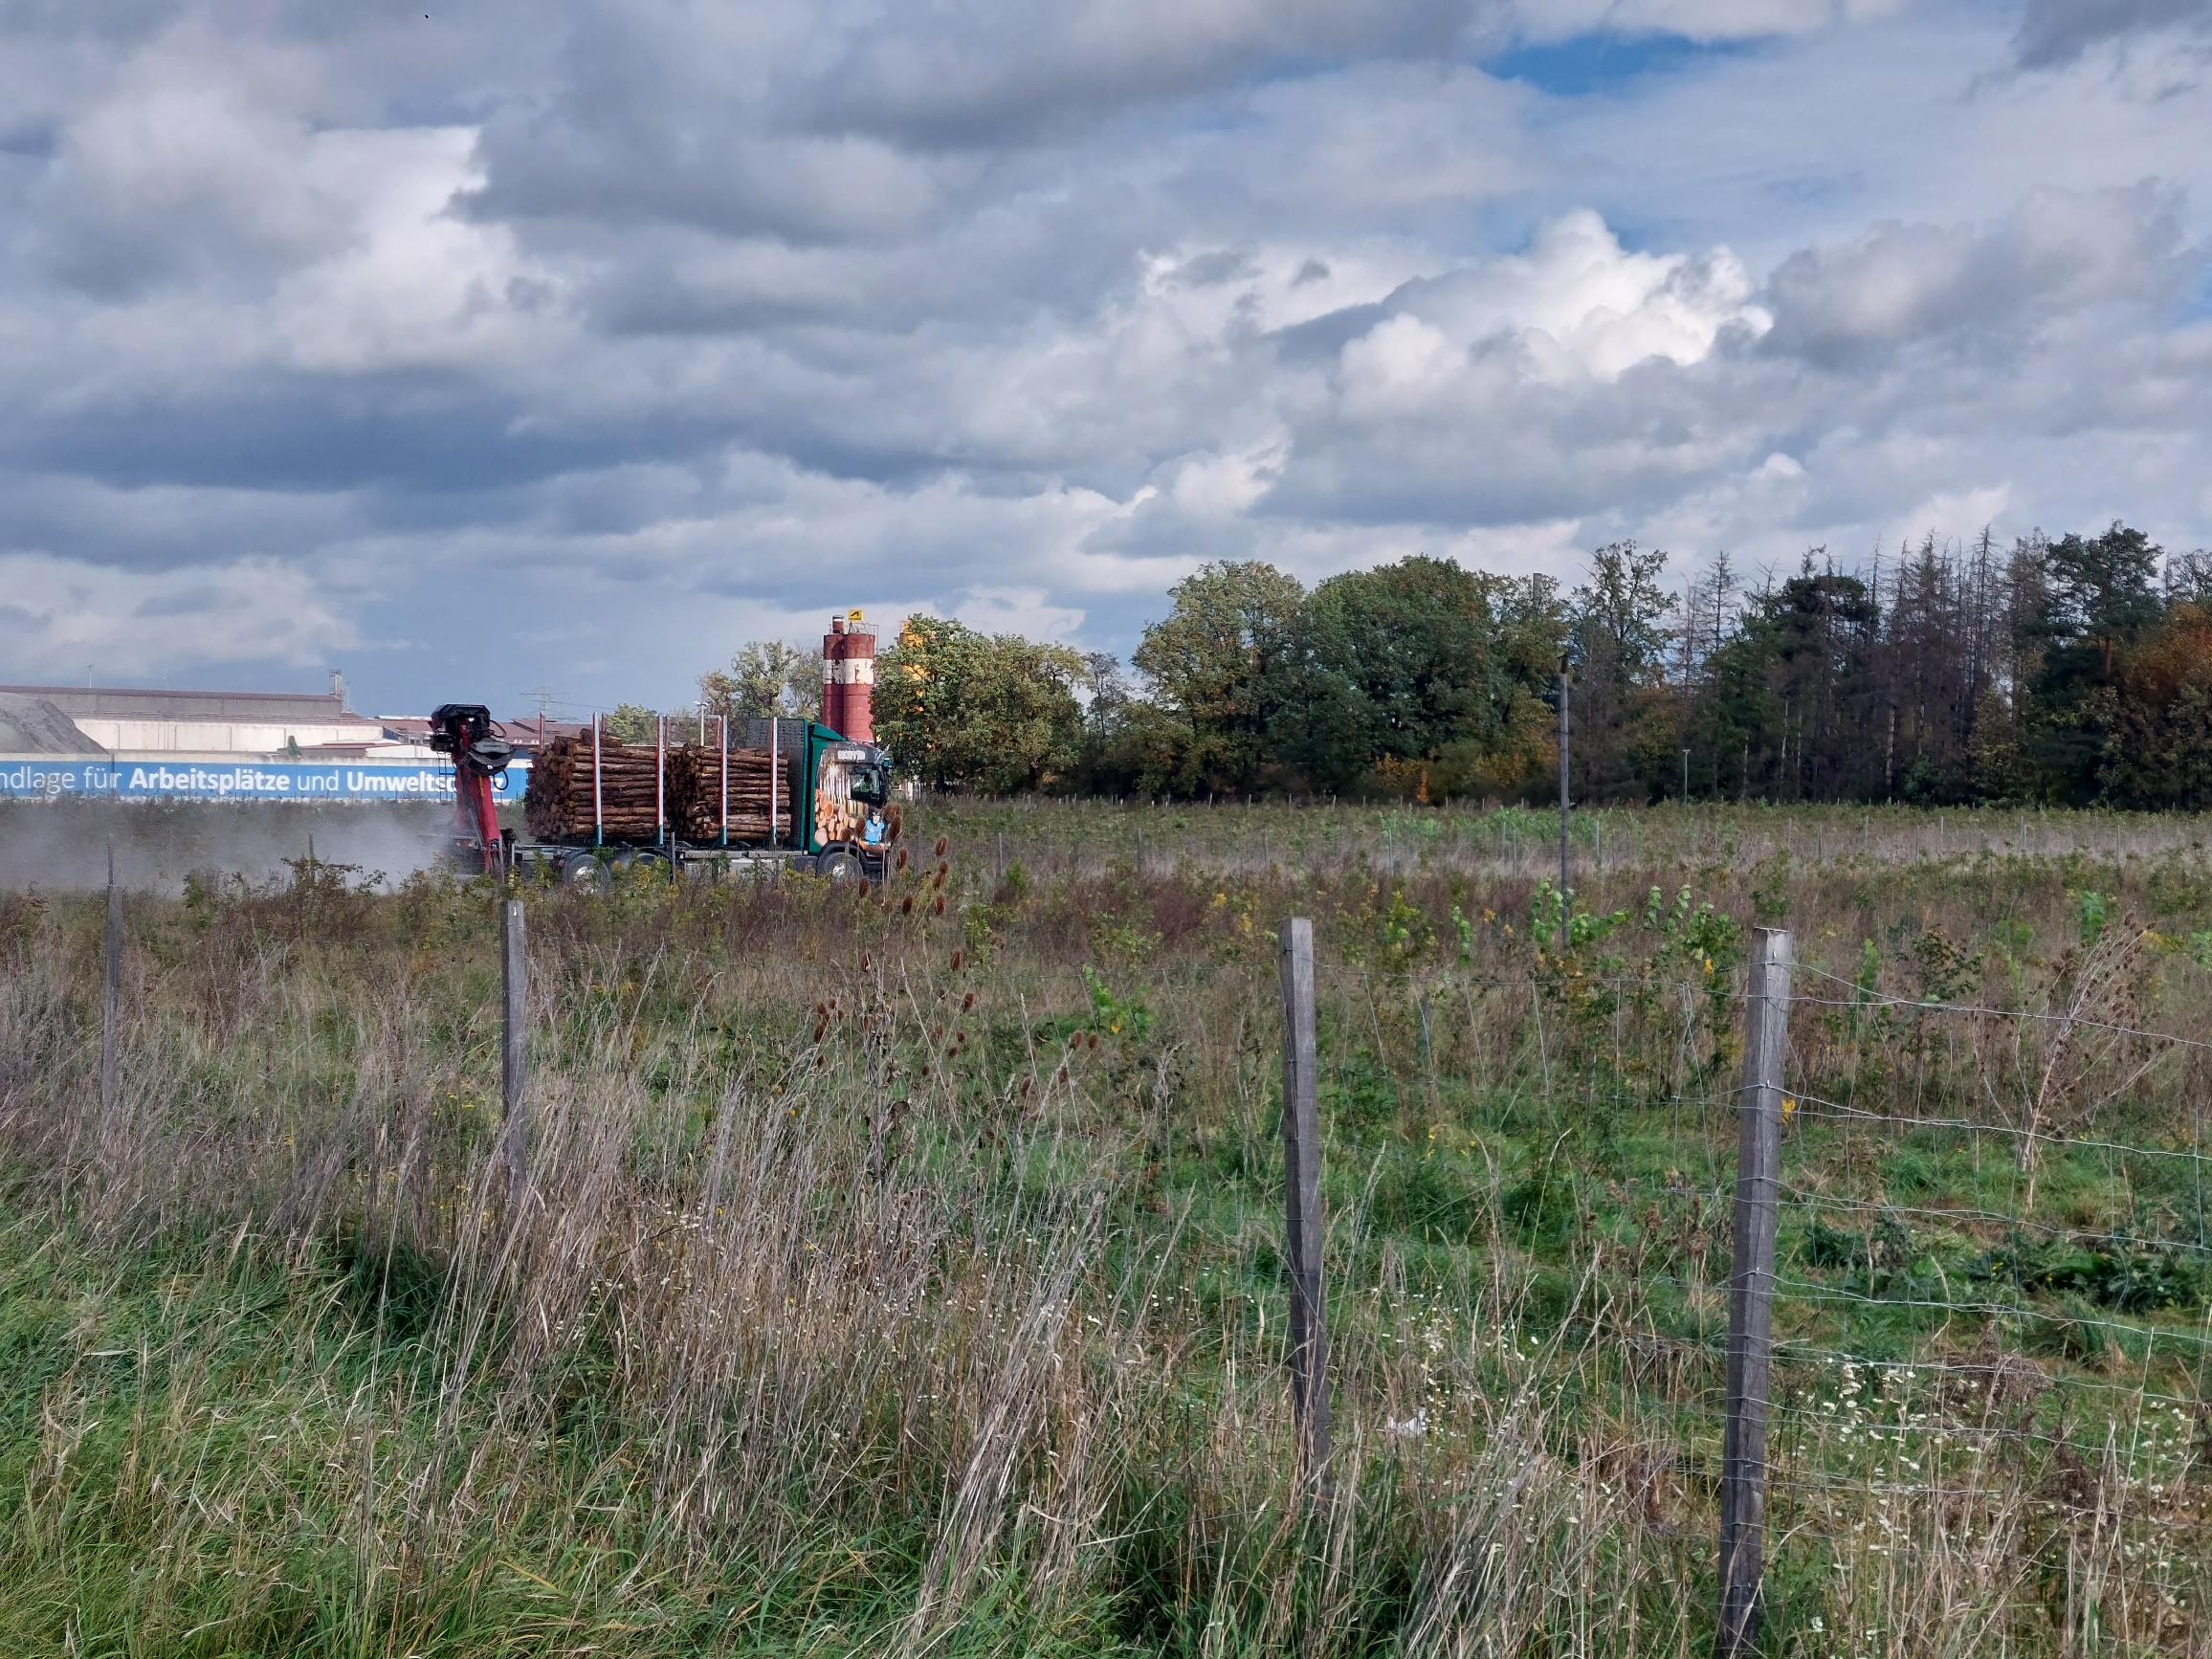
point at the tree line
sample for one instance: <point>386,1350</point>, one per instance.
<point>2073,671</point>
<point>767,678</point>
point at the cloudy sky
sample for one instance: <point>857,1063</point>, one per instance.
<point>520,346</point>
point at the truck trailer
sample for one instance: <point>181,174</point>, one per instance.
<point>839,821</point>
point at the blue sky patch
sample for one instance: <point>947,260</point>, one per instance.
<point>2200,304</point>
<point>1588,64</point>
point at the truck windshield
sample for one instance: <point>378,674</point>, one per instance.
<point>870,785</point>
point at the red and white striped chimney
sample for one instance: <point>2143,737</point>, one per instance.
<point>849,678</point>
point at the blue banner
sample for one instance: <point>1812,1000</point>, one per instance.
<point>28,777</point>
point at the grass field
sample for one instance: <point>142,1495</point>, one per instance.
<point>899,1271</point>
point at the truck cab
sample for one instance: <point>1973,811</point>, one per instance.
<point>850,791</point>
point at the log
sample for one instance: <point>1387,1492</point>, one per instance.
<point>638,792</point>
<point>695,798</point>
<point>558,802</point>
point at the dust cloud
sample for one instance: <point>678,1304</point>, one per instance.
<point>62,845</point>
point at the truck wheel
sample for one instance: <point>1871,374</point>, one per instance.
<point>839,864</point>
<point>586,871</point>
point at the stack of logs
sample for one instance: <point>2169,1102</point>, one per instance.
<point>558,804</point>
<point>694,793</point>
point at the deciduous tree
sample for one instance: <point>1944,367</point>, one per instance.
<point>766,676</point>
<point>1220,664</point>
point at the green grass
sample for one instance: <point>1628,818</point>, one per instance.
<point>143,1389</point>
<point>897,1282</point>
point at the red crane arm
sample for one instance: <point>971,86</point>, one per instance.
<point>467,732</point>
<point>475,812</point>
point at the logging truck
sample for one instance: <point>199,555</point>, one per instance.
<point>782,794</point>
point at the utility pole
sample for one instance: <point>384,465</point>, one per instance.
<point>546,696</point>
<point>1565,907</point>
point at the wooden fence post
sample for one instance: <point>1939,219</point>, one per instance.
<point>1751,1297</point>
<point>1302,1204</point>
<point>111,994</point>
<point>515,986</point>
<point>1567,891</point>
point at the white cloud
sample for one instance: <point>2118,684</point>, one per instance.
<point>1952,513</point>
<point>1400,365</point>
<point>2056,33</point>
<point>1580,304</point>
<point>1025,611</point>
<point>991,67</point>
<point>2057,251</point>
<point>185,162</point>
<point>676,322</point>
<point>1699,20</point>
<point>62,618</point>
<point>411,283</point>
<point>1217,486</point>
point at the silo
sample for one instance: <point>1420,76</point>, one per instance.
<point>849,678</point>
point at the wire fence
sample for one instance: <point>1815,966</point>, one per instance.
<point>2006,1284</point>
<point>1984,1264</point>
<point>1989,1279</point>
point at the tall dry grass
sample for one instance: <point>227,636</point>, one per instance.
<point>886,1284</point>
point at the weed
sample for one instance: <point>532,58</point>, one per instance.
<point>892,1281</point>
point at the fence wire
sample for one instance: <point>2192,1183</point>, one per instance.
<point>1993,1289</point>
<point>2010,1287</point>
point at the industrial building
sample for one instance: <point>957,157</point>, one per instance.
<point>262,725</point>
<point>135,743</point>
<point>138,743</point>
<point>212,724</point>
